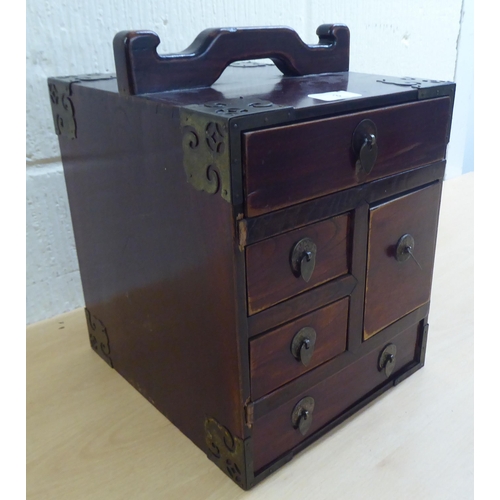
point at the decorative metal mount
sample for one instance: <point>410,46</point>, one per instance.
<point>99,339</point>
<point>206,153</point>
<point>427,89</point>
<point>303,343</point>
<point>205,141</point>
<point>404,249</point>
<point>303,258</point>
<point>226,451</point>
<point>387,359</point>
<point>63,111</point>
<point>364,145</point>
<point>239,106</point>
<point>408,81</point>
<point>302,415</point>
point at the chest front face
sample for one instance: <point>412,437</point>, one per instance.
<point>336,211</point>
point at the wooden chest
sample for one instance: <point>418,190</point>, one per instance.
<point>256,253</point>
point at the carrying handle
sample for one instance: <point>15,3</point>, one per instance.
<point>140,70</point>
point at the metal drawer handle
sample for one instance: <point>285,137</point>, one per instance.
<point>303,344</point>
<point>365,147</point>
<point>387,359</point>
<point>404,249</point>
<point>303,258</point>
<point>302,415</point>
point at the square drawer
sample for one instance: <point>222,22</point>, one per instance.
<point>274,265</point>
<point>289,164</point>
<point>289,351</point>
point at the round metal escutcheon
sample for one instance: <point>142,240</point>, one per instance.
<point>405,243</point>
<point>303,258</point>
<point>302,414</point>
<point>387,359</point>
<point>364,145</point>
<point>303,343</point>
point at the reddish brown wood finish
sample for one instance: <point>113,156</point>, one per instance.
<point>182,296</point>
<point>270,278</point>
<point>271,361</point>
<point>159,276</point>
<point>275,399</point>
<point>301,304</point>
<point>290,164</point>
<point>274,434</point>
<point>395,288</point>
<point>141,70</point>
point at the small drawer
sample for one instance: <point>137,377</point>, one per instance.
<point>297,347</point>
<point>280,430</point>
<point>279,268</point>
<point>294,163</point>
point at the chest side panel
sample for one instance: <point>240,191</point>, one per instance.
<point>157,260</point>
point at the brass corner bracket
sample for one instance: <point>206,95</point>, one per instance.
<point>207,131</point>
<point>63,110</point>
<point>226,451</point>
<point>98,336</point>
<point>205,145</point>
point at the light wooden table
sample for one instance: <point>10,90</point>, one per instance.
<point>90,435</point>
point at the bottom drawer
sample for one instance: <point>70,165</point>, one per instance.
<point>285,427</point>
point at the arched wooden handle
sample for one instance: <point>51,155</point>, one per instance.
<point>140,70</point>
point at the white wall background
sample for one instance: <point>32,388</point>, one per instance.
<point>391,37</point>
<point>461,148</point>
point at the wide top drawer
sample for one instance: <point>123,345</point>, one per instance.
<point>294,163</point>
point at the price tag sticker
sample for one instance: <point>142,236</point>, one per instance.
<point>334,96</point>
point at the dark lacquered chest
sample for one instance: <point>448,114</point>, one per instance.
<point>257,253</point>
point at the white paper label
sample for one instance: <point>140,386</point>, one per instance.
<point>334,96</point>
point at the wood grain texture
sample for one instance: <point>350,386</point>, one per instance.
<point>395,288</point>
<point>165,276</point>
<point>152,270</point>
<point>141,70</point>
<point>273,223</point>
<point>271,361</point>
<point>91,435</point>
<point>274,434</point>
<point>358,270</point>
<point>270,278</point>
<point>290,164</point>
<point>275,399</point>
<point>301,304</point>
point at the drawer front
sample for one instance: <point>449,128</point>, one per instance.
<point>290,164</point>
<point>275,272</point>
<point>399,281</point>
<point>275,434</point>
<point>293,349</point>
